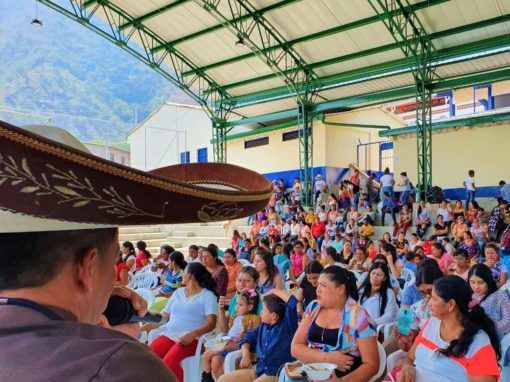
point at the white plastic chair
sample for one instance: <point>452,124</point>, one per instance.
<point>382,363</point>
<point>406,274</point>
<point>244,262</point>
<point>147,268</point>
<point>145,280</point>
<point>505,367</point>
<point>230,361</point>
<point>147,296</point>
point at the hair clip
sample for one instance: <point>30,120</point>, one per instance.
<point>250,292</point>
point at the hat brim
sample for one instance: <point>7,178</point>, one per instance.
<point>42,178</point>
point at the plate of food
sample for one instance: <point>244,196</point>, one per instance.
<point>218,343</point>
<point>319,371</point>
<point>294,371</point>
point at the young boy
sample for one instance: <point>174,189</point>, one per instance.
<point>469,185</point>
<point>271,340</point>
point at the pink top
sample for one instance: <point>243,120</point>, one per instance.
<point>297,263</point>
<point>445,260</point>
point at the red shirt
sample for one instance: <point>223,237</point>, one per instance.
<point>139,258</point>
<point>120,267</point>
<point>427,247</point>
<point>318,229</point>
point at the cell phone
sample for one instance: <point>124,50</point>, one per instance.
<point>404,321</point>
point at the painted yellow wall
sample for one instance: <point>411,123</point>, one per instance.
<point>454,152</point>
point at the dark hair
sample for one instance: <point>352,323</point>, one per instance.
<point>178,258</point>
<point>264,241</point>
<point>194,247</point>
<point>484,272</point>
<point>142,246</point>
<point>387,170</point>
<point>230,251</point>
<point>380,256</point>
<point>36,258</point>
<point>251,271</point>
<point>275,304</point>
<point>313,267</point>
<point>403,173</point>
<point>342,276</point>
<point>250,299</point>
<point>428,274</point>
<point>427,261</point>
<point>493,246</point>
<point>461,252</point>
<point>472,320</point>
<point>366,287</point>
<point>168,248</point>
<point>202,276</point>
<point>391,248</point>
<point>331,251</point>
<point>470,235</point>
<point>129,245</point>
<point>287,249</point>
<point>213,250</point>
<point>268,259</point>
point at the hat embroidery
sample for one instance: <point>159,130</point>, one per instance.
<point>69,188</point>
<point>215,211</point>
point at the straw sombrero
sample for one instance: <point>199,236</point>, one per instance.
<point>45,184</point>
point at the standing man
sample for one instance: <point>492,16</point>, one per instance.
<point>469,185</point>
<point>319,185</point>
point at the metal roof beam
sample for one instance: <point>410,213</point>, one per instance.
<point>205,91</point>
<point>286,63</point>
<point>152,14</point>
<point>385,96</point>
<point>324,33</point>
<point>443,57</point>
<point>217,27</point>
<point>378,49</point>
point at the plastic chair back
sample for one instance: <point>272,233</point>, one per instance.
<point>145,280</point>
<point>147,296</point>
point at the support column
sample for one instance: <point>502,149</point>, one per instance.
<point>219,141</point>
<point>305,119</point>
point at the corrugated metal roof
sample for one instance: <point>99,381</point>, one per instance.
<point>342,41</point>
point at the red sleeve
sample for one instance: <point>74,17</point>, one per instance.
<point>484,362</point>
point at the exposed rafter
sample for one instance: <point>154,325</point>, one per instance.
<point>217,27</point>
<point>201,88</point>
<point>314,36</point>
<point>378,49</point>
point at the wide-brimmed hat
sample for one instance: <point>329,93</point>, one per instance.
<point>43,182</point>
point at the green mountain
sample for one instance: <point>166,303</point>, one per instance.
<point>65,75</point>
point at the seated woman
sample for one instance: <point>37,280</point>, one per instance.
<point>299,259</point>
<point>192,312</point>
<point>332,257</point>
<point>142,255</point>
<point>470,246</point>
<point>479,233</point>
<point>347,254</point>
<point>458,210</point>
<point>360,262</point>
<point>236,327</point>
<point>441,228</point>
<point>215,267</point>
<point>460,265</point>
<point>495,302</point>
<point>404,221</point>
<point>401,245</point>
<point>268,277</point>
<point>394,263</point>
<point>380,258</point>
<point>336,329</point>
<point>498,270</point>
<point>454,332</point>
<point>377,297</point>
<point>307,291</point>
<point>121,270</point>
<point>233,267</point>
<point>458,229</point>
<point>128,255</point>
<point>443,258</point>
<point>423,219</point>
<point>173,280</point>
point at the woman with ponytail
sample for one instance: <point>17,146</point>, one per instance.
<point>173,279</point>
<point>192,311</point>
<point>457,343</point>
<point>336,329</point>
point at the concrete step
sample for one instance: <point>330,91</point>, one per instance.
<point>206,230</point>
<point>137,229</point>
<point>185,242</point>
<point>189,233</point>
<point>142,236</point>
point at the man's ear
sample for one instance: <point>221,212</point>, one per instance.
<point>84,269</point>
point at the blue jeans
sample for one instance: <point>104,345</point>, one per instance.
<point>470,196</point>
<point>388,189</point>
<point>388,210</point>
<point>404,195</point>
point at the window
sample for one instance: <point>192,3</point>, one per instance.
<point>185,157</point>
<point>202,155</point>
<point>112,157</point>
<point>256,142</point>
<point>290,135</point>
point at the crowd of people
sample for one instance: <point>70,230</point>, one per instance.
<point>317,285</point>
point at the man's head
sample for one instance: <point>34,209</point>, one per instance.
<point>273,309</point>
<point>502,183</point>
<point>471,173</point>
<point>74,270</point>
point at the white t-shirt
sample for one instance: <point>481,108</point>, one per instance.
<point>319,184</point>
<point>444,212</point>
<point>470,181</point>
<point>294,230</point>
<point>189,313</point>
<point>387,180</point>
<point>373,304</point>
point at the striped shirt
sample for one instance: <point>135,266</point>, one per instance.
<point>480,359</point>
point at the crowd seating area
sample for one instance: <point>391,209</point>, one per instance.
<point>395,249</point>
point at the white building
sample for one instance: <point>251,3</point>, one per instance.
<point>171,134</point>
<point>108,152</point>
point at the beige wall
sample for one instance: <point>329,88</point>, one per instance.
<point>455,151</point>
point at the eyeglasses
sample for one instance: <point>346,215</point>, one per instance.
<point>426,293</point>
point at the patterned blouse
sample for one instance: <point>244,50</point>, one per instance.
<point>421,313</point>
<point>497,307</point>
<point>355,324</point>
<point>473,250</point>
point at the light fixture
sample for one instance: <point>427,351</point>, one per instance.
<point>240,42</point>
<point>36,22</point>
